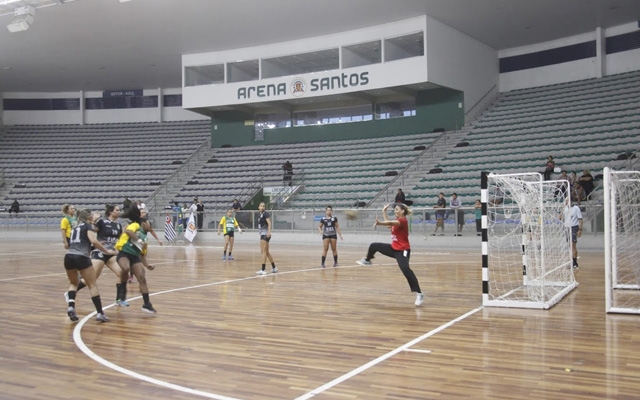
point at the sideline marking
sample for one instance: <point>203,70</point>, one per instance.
<point>384,357</point>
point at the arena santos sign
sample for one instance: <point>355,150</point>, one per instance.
<point>298,87</point>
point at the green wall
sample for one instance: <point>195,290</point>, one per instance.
<point>436,108</point>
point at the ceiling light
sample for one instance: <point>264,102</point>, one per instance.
<point>23,19</point>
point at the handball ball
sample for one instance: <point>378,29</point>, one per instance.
<point>351,214</point>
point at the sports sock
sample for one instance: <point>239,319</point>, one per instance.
<point>224,253</point>
<point>263,268</point>
<point>98,304</point>
<point>72,298</point>
<point>273,265</point>
<point>80,286</point>
<point>323,258</point>
<point>145,298</point>
<point>335,259</point>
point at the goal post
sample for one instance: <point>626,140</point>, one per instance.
<point>526,248</point>
<point>622,241</point>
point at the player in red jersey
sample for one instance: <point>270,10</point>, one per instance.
<point>399,247</point>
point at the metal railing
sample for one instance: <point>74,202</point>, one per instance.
<point>176,177</point>
<point>416,160</point>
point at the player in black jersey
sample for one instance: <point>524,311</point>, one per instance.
<point>83,236</point>
<point>108,232</point>
<point>329,229</point>
<point>264,230</point>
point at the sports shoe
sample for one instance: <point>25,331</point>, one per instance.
<point>274,270</point>
<point>575,266</point>
<point>148,308</point>
<point>321,265</point>
<point>66,297</point>
<point>230,258</point>
<point>261,272</point>
<point>364,262</point>
<point>419,299</point>
<point>71,312</point>
<point>224,258</point>
<point>122,303</point>
<point>102,318</point>
<point>335,265</point>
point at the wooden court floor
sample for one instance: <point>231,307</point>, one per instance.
<point>350,332</point>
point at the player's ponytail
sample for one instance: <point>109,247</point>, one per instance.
<point>83,215</point>
<point>133,214</point>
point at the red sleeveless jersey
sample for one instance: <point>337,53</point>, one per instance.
<point>400,235</point>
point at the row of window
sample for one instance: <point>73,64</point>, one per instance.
<point>336,116</point>
<point>97,103</point>
<point>357,55</point>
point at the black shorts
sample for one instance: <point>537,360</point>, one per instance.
<point>329,237</point>
<point>265,238</point>
<point>132,259</point>
<point>98,255</point>
<point>230,234</point>
<point>76,261</point>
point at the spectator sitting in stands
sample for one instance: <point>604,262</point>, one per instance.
<point>400,197</point>
<point>550,165</point>
<point>15,207</point>
<point>586,180</point>
<point>236,205</point>
<point>577,193</point>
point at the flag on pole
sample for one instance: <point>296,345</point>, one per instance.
<point>191,231</point>
<point>169,231</point>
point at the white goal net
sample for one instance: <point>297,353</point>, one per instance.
<point>526,247</point>
<point>622,241</point>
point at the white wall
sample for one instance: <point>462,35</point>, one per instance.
<point>460,62</point>
<point>570,71</point>
<point>394,73</point>
<point>551,74</point>
<point>625,61</point>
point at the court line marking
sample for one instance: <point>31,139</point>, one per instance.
<point>418,351</point>
<point>384,357</point>
<point>77,338</point>
<point>31,276</point>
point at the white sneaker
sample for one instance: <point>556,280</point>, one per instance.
<point>261,272</point>
<point>364,262</point>
<point>419,299</point>
<point>102,318</point>
<point>274,270</point>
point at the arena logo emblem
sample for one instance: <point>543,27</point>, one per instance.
<point>298,87</point>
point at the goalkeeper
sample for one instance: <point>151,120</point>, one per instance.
<point>132,247</point>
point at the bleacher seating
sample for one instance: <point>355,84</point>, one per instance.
<point>583,125</point>
<point>90,165</point>
<point>337,172</point>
